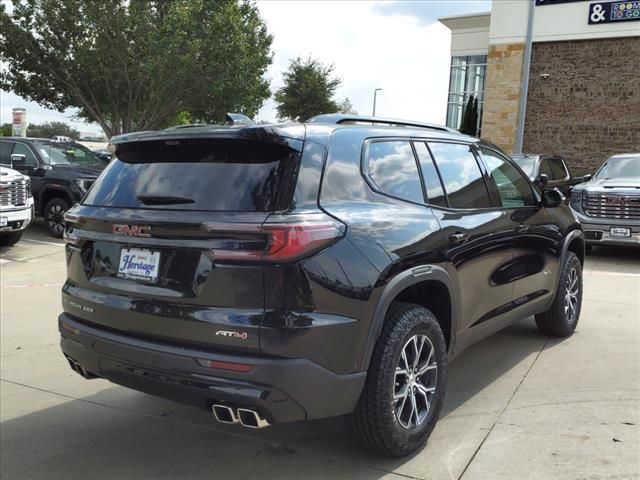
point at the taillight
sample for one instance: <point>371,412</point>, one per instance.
<point>285,241</point>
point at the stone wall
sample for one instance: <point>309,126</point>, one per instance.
<point>502,94</point>
<point>588,107</point>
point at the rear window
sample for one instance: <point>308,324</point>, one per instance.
<point>209,175</point>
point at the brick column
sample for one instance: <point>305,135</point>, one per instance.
<point>502,94</point>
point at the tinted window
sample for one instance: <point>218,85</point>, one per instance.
<point>545,168</point>
<point>558,170</point>
<point>461,175</point>
<point>393,169</point>
<point>30,160</point>
<point>435,193</point>
<point>221,175</point>
<point>514,190</point>
<point>5,152</point>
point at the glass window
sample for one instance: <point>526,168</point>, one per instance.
<point>619,167</point>
<point>59,153</point>
<point>545,168</point>
<point>527,164</point>
<point>435,192</point>
<point>466,79</point>
<point>5,152</point>
<point>514,190</point>
<point>461,175</point>
<point>393,169</point>
<point>30,160</point>
<point>209,175</point>
<point>558,170</point>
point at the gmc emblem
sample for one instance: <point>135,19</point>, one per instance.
<point>131,230</point>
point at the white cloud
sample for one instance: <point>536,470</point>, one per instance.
<point>396,46</point>
<point>406,58</point>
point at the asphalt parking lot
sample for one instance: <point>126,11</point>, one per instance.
<point>519,405</point>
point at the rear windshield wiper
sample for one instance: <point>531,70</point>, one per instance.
<point>163,200</point>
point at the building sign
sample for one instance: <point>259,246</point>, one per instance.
<point>610,12</point>
<point>19,123</point>
<point>555,2</point>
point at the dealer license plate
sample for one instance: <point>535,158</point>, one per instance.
<point>139,264</point>
<point>4,221</point>
<point>620,232</point>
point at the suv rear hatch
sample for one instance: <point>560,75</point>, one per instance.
<point>169,243</point>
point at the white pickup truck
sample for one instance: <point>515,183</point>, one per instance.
<point>16,205</point>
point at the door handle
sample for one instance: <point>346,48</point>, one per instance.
<point>459,238</point>
<point>522,228</point>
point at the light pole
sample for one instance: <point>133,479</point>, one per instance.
<point>375,96</point>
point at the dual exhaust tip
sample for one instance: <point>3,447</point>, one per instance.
<point>76,367</point>
<point>244,416</point>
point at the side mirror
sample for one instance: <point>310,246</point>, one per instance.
<point>18,160</point>
<point>552,198</point>
<point>587,177</point>
<point>541,181</point>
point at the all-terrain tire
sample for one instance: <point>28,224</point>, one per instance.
<point>9,239</point>
<point>561,320</point>
<point>54,216</point>
<point>374,421</point>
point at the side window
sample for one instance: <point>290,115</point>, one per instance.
<point>545,168</point>
<point>461,175</point>
<point>392,167</point>
<point>5,152</point>
<point>558,170</point>
<point>435,192</point>
<point>29,158</point>
<point>514,190</point>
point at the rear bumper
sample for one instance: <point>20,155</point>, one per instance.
<point>282,390</point>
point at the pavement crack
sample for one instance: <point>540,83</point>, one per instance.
<point>515,391</point>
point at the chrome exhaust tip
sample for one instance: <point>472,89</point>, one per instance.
<point>251,419</point>
<point>224,414</point>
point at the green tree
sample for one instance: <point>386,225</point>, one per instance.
<point>7,130</point>
<point>308,90</point>
<point>50,129</point>
<point>469,122</point>
<point>347,107</point>
<point>136,64</point>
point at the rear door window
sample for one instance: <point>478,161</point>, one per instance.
<point>461,175</point>
<point>558,169</point>
<point>207,175</point>
<point>392,167</point>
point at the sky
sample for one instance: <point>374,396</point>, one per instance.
<point>398,46</point>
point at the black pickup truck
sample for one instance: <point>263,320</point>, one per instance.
<point>60,173</point>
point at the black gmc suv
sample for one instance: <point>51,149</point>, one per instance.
<point>275,273</point>
<point>60,172</point>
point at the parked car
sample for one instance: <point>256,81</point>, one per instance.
<point>60,173</point>
<point>275,273</point>
<point>608,206</point>
<point>550,171</point>
<point>16,205</point>
<point>104,154</point>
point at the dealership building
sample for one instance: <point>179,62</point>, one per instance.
<point>578,92</point>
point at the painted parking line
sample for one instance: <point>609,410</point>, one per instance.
<point>42,242</point>
<point>32,285</point>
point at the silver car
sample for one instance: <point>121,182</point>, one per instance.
<point>608,205</point>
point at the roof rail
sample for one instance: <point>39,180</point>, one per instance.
<point>339,118</point>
